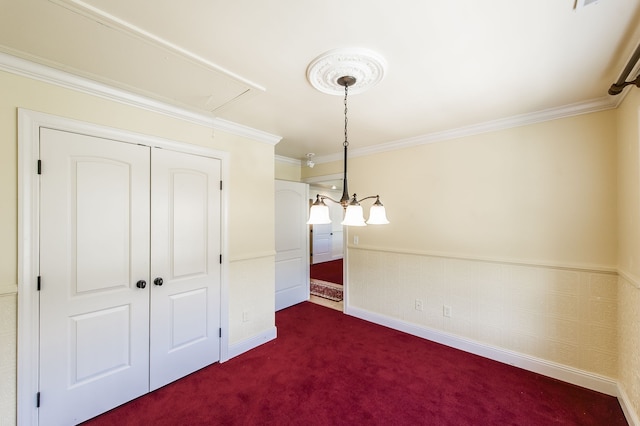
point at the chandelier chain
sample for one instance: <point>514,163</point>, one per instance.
<point>346,141</point>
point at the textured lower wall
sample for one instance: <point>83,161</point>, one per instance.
<point>629,341</point>
<point>8,349</point>
<point>566,316</point>
<point>251,297</point>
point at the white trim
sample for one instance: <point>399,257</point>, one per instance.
<point>254,255</point>
<point>345,268</point>
<point>600,269</point>
<point>627,407</point>
<point>289,160</point>
<point>252,342</point>
<point>29,124</point>
<point>625,403</point>
<point>224,227</point>
<point>25,68</point>
<point>28,249</point>
<point>630,277</point>
<point>245,131</point>
<point>324,178</point>
<point>561,372</point>
<point>594,105</point>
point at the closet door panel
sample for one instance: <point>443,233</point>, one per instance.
<point>94,248</point>
<point>185,265</point>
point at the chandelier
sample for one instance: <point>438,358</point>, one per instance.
<point>353,216</point>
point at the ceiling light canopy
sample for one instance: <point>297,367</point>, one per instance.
<point>310,162</point>
<point>343,69</point>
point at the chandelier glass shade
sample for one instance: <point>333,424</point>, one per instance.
<point>377,214</point>
<point>353,215</point>
<point>319,213</point>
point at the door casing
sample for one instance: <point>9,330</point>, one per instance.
<point>29,124</point>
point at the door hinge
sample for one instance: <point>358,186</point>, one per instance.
<point>220,332</point>
<point>39,167</point>
<point>39,283</point>
<point>220,185</point>
<point>221,259</point>
<point>38,400</point>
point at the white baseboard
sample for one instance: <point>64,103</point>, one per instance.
<point>251,343</point>
<point>565,373</point>
<point>627,407</point>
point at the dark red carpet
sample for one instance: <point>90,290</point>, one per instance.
<point>326,368</point>
<point>328,271</point>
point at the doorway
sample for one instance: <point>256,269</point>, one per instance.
<point>326,277</point>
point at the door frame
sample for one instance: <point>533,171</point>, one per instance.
<point>29,124</point>
<point>345,239</point>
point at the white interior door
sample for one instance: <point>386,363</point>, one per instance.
<point>292,243</point>
<point>94,248</point>
<point>337,231</point>
<point>322,243</point>
<point>185,265</point>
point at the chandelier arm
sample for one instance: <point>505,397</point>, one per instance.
<point>325,197</point>
<point>366,198</point>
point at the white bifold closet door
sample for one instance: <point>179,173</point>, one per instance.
<point>130,271</point>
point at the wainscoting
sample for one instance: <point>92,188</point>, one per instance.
<point>559,318</point>
<point>252,305</point>
<point>8,351</point>
<point>629,345</point>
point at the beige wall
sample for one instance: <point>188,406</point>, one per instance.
<point>251,182</point>
<point>629,249</point>
<point>515,230</point>
<point>542,194</point>
<point>287,170</point>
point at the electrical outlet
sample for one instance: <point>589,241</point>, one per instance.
<point>419,305</point>
<point>446,311</point>
<point>245,316</point>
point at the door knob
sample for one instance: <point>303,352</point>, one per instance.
<point>141,284</point>
<point>158,281</point>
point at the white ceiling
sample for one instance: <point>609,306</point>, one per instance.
<point>451,63</point>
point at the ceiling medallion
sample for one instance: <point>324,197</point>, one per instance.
<point>366,66</point>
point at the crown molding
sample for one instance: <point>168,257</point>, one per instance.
<point>47,74</point>
<point>30,69</point>
<point>245,131</point>
<point>289,160</point>
<point>579,108</point>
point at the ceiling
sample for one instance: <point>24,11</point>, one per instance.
<point>450,64</point>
